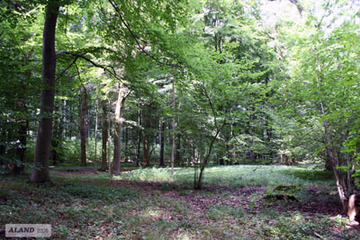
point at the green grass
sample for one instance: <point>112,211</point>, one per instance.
<point>153,204</point>
<point>237,176</point>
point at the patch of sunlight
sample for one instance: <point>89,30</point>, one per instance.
<point>183,236</point>
<point>116,178</point>
<point>154,213</point>
<point>297,217</point>
<point>214,169</point>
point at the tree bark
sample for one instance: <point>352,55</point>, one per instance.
<point>109,145</point>
<point>178,150</point>
<point>119,111</point>
<point>162,144</point>
<point>139,140</point>
<point>83,126</point>
<point>96,128</point>
<point>126,141</point>
<point>173,125</point>
<point>104,132</point>
<point>40,173</point>
<point>146,140</point>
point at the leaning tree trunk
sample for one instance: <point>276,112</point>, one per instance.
<point>83,126</point>
<point>40,172</point>
<point>104,132</point>
<point>119,111</point>
<point>343,180</point>
<point>198,180</point>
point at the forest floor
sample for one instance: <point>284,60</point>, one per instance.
<point>236,203</point>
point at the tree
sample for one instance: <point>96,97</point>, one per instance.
<point>321,64</point>
<point>104,134</point>
<point>123,93</point>
<point>84,123</point>
<point>40,173</point>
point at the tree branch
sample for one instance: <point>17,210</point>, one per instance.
<point>67,68</point>
<point>137,39</point>
<point>76,55</point>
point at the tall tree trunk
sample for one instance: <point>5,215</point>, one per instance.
<point>96,128</point>
<point>178,150</point>
<point>62,131</point>
<point>40,172</point>
<point>55,140</point>
<point>83,126</point>
<point>126,141</point>
<point>109,145</point>
<point>119,111</point>
<point>173,125</point>
<point>140,134</point>
<point>104,132</point>
<point>147,136</point>
<point>71,119</point>
<point>162,143</point>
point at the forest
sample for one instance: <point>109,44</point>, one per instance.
<point>183,119</point>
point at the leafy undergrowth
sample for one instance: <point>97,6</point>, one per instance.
<point>84,204</point>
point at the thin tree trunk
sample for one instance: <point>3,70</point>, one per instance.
<point>96,129</point>
<point>109,144</point>
<point>162,144</point>
<point>55,140</point>
<point>140,134</point>
<point>40,173</point>
<point>178,150</point>
<point>126,140</point>
<point>83,125</point>
<point>146,140</point>
<point>198,183</point>
<point>173,125</point>
<point>104,132</point>
<point>119,111</point>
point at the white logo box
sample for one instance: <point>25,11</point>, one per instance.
<point>27,230</point>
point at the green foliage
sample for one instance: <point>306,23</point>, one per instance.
<point>237,176</point>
